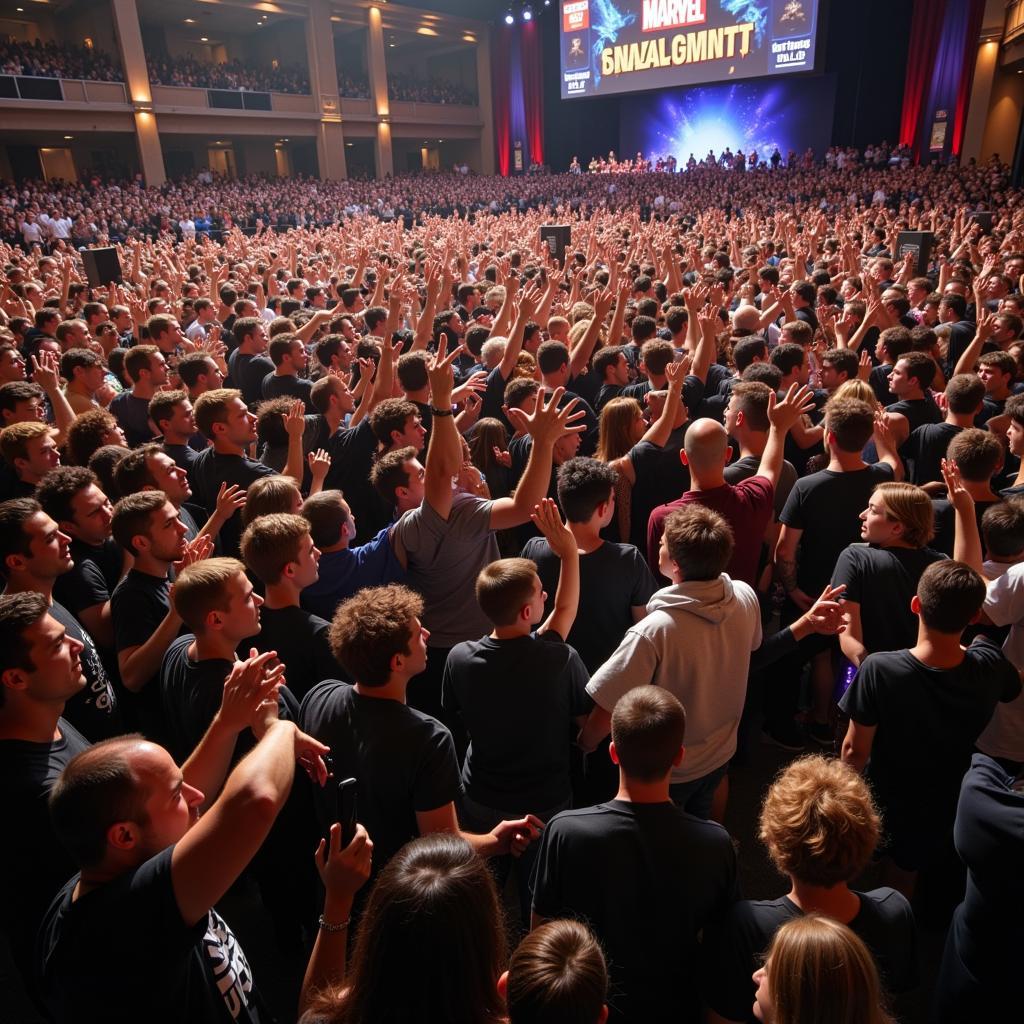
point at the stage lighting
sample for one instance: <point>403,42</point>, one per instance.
<point>509,18</point>
<point>527,13</point>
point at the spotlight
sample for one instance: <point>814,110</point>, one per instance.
<point>509,18</point>
<point>527,14</point>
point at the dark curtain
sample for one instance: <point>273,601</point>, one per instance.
<point>500,89</point>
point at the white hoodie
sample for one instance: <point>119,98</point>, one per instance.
<point>696,642</point>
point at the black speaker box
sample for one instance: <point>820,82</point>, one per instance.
<point>920,244</point>
<point>102,267</point>
<point>985,219</point>
<point>557,237</point>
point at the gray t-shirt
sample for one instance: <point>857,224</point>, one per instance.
<point>748,466</point>
<point>445,558</point>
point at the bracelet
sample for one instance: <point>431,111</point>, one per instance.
<point>442,412</point>
<point>326,926</point>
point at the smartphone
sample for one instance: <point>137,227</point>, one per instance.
<point>345,810</point>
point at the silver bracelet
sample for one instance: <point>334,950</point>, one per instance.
<point>326,926</point>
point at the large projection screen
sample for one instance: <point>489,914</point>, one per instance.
<point>617,46</point>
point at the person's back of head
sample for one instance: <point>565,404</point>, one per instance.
<point>949,596</point>
<point>850,423</point>
<point>505,590</point>
<point>698,541</point>
<point>269,494</point>
<point>583,485</point>
<point>557,975</point>
<point>705,446</point>
<point>1002,530</point>
<point>818,822</point>
<point>434,896</point>
<point>965,393</point>
<point>648,729</point>
<point>817,971</point>
<point>977,453</point>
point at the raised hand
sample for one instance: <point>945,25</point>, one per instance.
<point>958,495</point>
<point>319,463</point>
<point>548,520</point>
<point>229,500</point>
<point>825,616</point>
<point>344,871</point>
<point>195,551</point>
<point>249,686</point>
<point>295,418</point>
<point>548,423</point>
<point>784,414</point>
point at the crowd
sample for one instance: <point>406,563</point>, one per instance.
<point>412,88</point>
<point>58,60</point>
<point>355,85</point>
<point>516,559</point>
<point>232,74</point>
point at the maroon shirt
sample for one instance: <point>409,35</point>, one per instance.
<point>747,507</point>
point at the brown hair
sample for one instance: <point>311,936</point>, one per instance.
<point>271,542</point>
<point>88,433</point>
<point>699,541</point>
<point>557,975</point>
<point>850,421</point>
<point>648,727</point>
<point>818,970</point>
<point>504,587</point>
<point>132,515</point>
<point>910,505</point>
<point>269,494</point>
<point>370,628</point>
<point>15,438</point>
<point>819,822</point>
<point>212,407</point>
<point>201,588</point>
<point>615,428</point>
<point>751,398</point>
<point>977,453</point>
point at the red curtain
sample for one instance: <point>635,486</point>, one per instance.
<point>500,85</point>
<point>925,32</point>
<point>967,75</point>
<point>533,89</point>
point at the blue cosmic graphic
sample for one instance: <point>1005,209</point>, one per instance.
<point>748,10</point>
<point>606,22</point>
<point>747,116</point>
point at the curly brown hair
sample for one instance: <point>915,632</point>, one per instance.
<point>819,822</point>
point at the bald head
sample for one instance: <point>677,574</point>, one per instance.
<point>746,318</point>
<point>705,445</point>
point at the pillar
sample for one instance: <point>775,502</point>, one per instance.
<point>378,69</point>
<point>323,81</point>
<point>133,60</point>
<point>483,91</point>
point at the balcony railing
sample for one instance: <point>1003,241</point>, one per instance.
<point>60,90</point>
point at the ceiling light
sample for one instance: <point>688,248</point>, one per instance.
<point>190,21</point>
<point>527,14</point>
<point>68,138</point>
<point>203,39</point>
<point>20,10</point>
<point>509,18</point>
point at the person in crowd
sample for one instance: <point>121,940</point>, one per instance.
<point>29,449</point>
<point>279,551</point>
<point>146,367</point>
<point>818,969</point>
<point>682,870</point>
<point>821,828</point>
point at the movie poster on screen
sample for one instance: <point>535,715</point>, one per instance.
<point>615,46</point>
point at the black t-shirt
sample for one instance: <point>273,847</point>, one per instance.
<point>883,581</point>
<point>980,968</point>
<point>93,711</point>
<point>190,696</point>
<point>918,411</point>
<point>288,386</point>
<point>661,477</point>
<point>33,863</point>
<point>247,372</point>
<point>183,455</point>
<point>93,577</point>
<point>945,523</point>
<point>646,878</point>
<point>503,690</point>
<point>493,396</point>
<point>605,394</point>
<point>734,946</point>
<point>614,578</point>
<point>826,506</point>
<point>925,449</point>
<point>208,472</point>
<point>132,413</point>
<point>927,723</point>
<point>352,453</point>
<point>300,639</point>
<point>403,760</point>
<point>879,382</point>
<point>122,953</point>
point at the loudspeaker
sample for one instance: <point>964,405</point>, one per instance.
<point>102,267</point>
<point>920,244</point>
<point>557,238</point>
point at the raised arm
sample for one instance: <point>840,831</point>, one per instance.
<point>579,358</point>
<point>782,416</point>
<point>561,541</point>
<point>444,452</point>
<point>986,325</point>
<point>295,425</point>
<point>967,541</point>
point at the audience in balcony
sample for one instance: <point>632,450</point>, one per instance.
<point>234,74</point>
<point>57,60</point>
<point>354,85</point>
<point>413,89</point>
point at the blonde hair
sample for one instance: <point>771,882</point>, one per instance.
<point>615,429</point>
<point>819,972</point>
<point>202,588</point>
<point>819,822</point>
<point>856,388</point>
<point>909,505</point>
